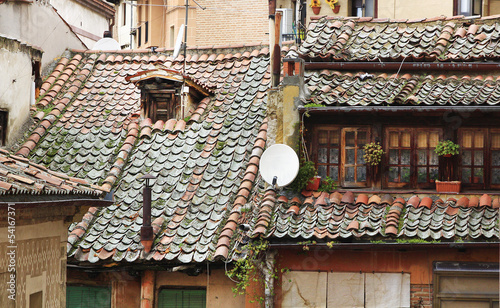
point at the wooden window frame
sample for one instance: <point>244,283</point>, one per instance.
<point>487,159</point>
<point>180,289</point>
<point>456,4</point>
<point>413,163</point>
<point>462,269</point>
<point>314,147</point>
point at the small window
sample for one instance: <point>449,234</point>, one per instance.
<point>468,7</point>
<point>146,32</point>
<point>88,297</point>
<point>4,119</point>
<point>338,154</point>
<point>458,284</point>
<point>36,300</point>
<point>172,36</point>
<point>182,298</point>
<point>124,14</point>
<point>364,8</point>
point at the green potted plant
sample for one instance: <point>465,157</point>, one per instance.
<point>373,157</point>
<point>306,177</point>
<point>447,149</point>
<point>316,6</point>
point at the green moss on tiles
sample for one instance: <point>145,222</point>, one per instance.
<point>416,241</point>
<point>51,152</point>
<point>102,93</point>
<point>199,146</point>
<point>377,242</point>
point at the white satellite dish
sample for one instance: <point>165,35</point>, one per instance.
<point>178,41</point>
<point>279,165</point>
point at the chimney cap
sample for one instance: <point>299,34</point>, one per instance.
<point>147,176</point>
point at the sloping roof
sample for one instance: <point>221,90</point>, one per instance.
<point>21,177</point>
<point>88,126</point>
<point>346,217</point>
<point>434,39</point>
<point>335,88</point>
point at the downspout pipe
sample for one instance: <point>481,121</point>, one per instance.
<point>405,66</point>
<point>147,289</point>
<point>146,229</point>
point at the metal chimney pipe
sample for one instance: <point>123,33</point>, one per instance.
<point>146,229</point>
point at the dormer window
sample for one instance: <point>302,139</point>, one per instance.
<point>167,94</point>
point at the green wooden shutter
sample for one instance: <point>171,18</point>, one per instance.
<point>182,298</point>
<point>88,297</point>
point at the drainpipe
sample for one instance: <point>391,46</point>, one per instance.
<point>146,229</point>
<point>272,11</point>
<point>267,268</point>
<point>277,50</point>
<point>147,289</point>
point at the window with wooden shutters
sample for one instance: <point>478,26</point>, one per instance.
<point>411,160</point>
<point>88,297</point>
<point>182,298</point>
<point>338,154</point>
<point>480,157</point>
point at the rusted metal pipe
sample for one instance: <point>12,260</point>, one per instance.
<point>146,229</point>
<point>405,66</point>
<point>277,50</point>
<point>147,289</point>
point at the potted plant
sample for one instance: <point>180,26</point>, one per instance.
<point>447,149</point>
<point>316,6</point>
<point>373,156</point>
<point>334,4</point>
<point>306,177</point>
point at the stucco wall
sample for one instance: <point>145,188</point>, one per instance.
<point>38,25</point>
<point>16,85</point>
<point>40,264</point>
<point>82,17</point>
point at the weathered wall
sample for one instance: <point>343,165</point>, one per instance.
<point>38,25</point>
<point>40,263</point>
<point>82,18</point>
<point>417,262</point>
<point>16,84</point>
<point>121,30</point>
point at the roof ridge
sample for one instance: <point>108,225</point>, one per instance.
<point>223,243</point>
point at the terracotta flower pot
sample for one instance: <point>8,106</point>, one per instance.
<point>314,183</point>
<point>336,9</point>
<point>448,186</point>
<point>316,9</point>
<point>447,155</point>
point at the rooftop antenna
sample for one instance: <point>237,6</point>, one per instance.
<point>279,165</point>
<point>178,42</point>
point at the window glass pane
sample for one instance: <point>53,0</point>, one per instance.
<point>349,176</point>
<point>369,8</point>
<point>322,158</point>
<point>422,175</point>
<point>334,138</point>
<point>478,158</point>
<point>393,139</point>
<point>495,176</point>
<point>495,140</point>
<point>466,174</point>
<point>322,171</point>
<point>349,138</point>
<point>349,155</point>
<point>405,140</point>
<point>362,137</point>
<point>393,174</point>
<point>434,160</point>
<point>334,156</point>
<point>405,157</point>
<point>360,158</point>
<point>88,297</point>
<point>361,176</point>
<point>477,7</point>
<point>422,140</point>
<point>433,139</point>
<point>405,174</point>
<point>334,173</point>
<point>478,140</point>
<point>393,157</point>
<point>478,175</point>
<point>322,137</point>
<point>466,158</point>
<point>433,173</point>
<point>468,285</point>
<point>467,139</point>
<point>422,157</point>
<point>465,7</point>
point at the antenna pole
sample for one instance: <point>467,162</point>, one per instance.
<point>186,30</point>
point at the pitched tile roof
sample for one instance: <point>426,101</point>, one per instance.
<point>90,128</point>
<point>334,216</point>
<point>435,39</point>
<point>334,88</point>
<point>20,177</point>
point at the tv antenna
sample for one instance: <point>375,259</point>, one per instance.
<point>279,165</point>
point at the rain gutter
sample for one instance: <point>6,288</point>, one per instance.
<point>71,202</point>
<point>338,246</point>
<point>416,108</point>
<point>405,66</point>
